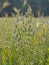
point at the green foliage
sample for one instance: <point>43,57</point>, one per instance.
<point>24,40</point>
<point>47,57</point>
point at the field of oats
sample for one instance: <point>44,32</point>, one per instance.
<point>24,41</point>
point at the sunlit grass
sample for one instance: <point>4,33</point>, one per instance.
<point>24,41</point>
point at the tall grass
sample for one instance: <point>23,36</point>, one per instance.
<point>24,41</point>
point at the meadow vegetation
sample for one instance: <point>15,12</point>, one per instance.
<point>24,41</point>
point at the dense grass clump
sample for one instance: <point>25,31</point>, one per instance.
<point>24,41</point>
